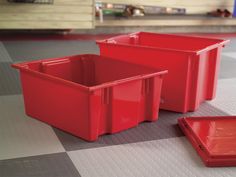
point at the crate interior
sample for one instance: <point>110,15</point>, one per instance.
<point>90,70</point>
<point>164,41</point>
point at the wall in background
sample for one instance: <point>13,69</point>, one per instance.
<point>63,14</point>
<point>192,6</point>
<point>79,14</point>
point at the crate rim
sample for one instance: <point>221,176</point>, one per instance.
<point>222,42</point>
<point>22,67</point>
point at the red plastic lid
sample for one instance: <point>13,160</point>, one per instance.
<point>214,138</point>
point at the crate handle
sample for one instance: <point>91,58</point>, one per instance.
<point>134,36</point>
<point>56,62</point>
<point>20,66</point>
<point>111,41</point>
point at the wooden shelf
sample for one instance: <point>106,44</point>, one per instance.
<point>192,7</point>
<point>167,20</point>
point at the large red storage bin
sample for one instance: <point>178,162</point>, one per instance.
<point>88,95</point>
<point>192,64</point>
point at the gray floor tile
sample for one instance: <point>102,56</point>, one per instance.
<point>231,47</point>
<point>225,90</point>
<point>230,54</point>
<point>172,157</point>
<point>226,96</point>
<point>30,50</point>
<point>21,136</point>
<point>165,127</point>
<point>53,165</point>
<point>9,79</point>
<point>228,106</point>
<point>4,56</point>
<point>227,67</point>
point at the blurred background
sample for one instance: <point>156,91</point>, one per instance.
<point>117,16</point>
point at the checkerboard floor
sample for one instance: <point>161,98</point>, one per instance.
<point>30,148</point>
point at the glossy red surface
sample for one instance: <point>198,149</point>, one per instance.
<point>192,63</point>
<point>214,138</point>
<point>87,95</point>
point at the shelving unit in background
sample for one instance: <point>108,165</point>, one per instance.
<point>79,14</point>
<point>195,14</point>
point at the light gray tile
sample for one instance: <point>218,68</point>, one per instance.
<point>231,47</point>
<point>9,80</point>
<point>226,96</point>
<point>230,54</point>
<point>4,56</point>
<point>169,157</point>
<point>226,90</point>
<point>31,50</point>
<point>227,67</point>
<point>53,165</point>
<point>228,106</point>
<point>21,136</point>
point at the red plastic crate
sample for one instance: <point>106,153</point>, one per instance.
<point>192,63</point>
<point>88,95</point>
<point>214,138</point>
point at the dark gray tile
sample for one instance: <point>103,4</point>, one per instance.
<point>165,127</point>
<point>52,165</point>
<point>227,67</point>
<point>9,80</point>
<point>31,50</point>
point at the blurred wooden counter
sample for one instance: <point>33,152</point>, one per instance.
<point>63,14</point>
